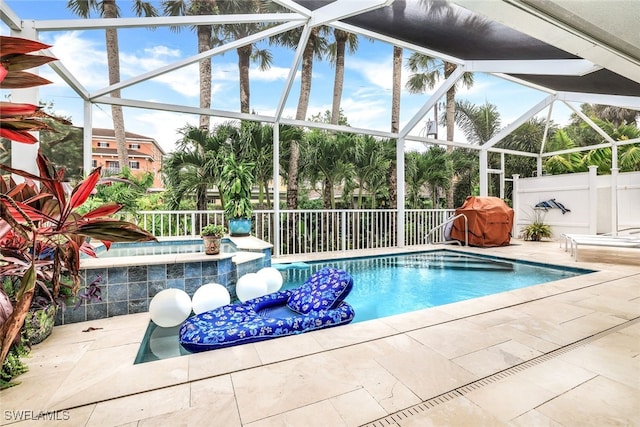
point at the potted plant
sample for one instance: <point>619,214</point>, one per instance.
<point>237,179</point>
<point>537,230</point>
<point>212,238</point>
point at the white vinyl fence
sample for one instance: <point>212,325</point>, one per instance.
<point>594,209</point>
<point>308,231</point>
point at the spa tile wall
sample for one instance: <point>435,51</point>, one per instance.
<point>128,290</point>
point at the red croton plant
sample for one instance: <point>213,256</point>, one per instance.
<point>41,231</point>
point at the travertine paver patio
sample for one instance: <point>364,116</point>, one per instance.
<point>381,372</point>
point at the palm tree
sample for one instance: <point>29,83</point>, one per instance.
<point>415,178</point>
<point>478,123</point>
<point>246,53</point>
<point>259,141</point>
<point>330,160</point>
<point>395,124</point>
<point>196,165</point>
<point>427,71</point>
<point>109,9</point>
<point>371,166</point>
<point>343,40</point>
<point>562,163</point>
<point>439,170</point>
<point>205,43</point>
<point>316,47</point>
<point>616,115</point>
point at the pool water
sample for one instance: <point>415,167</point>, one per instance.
<point>385,286</point>
<point>389,285</point>
<point>159,248</point>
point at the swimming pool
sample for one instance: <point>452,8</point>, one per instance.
<point>389,285</point>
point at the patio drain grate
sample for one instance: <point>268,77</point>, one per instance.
<point>396,418</point>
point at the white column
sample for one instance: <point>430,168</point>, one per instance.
<point>400,191</point>
<point>276,189</point>
<point>23,156</point>
<point>593,199</point>
<point>502,176</point>
<point>87,138</point>
<point>614,201</point>
<point>484,173</point>
<point>516,204</point>
<point>539,166</point>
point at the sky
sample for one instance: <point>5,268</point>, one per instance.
<point>366,99</point>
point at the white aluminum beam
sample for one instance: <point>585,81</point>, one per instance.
<point>395,42</point>
<point>547,67</point>
<point>68,78</point>
<point>195,58</point>
<point>514,152</point>
<point>439,93</point>
<point>292,5</point>
<point>338,128</point>
<point>432,141</point>
<point>577,149</point>
<point>134,103</point>
<point>344,9</point>
<point>590,122</point>
<point>9,17</point>
<point>631,102</point>
<point>164,21</point>
<point>293,69</point>
<point>525,83</point>
<point>518,122</point>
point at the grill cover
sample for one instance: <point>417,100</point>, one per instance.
<point>490,222</point>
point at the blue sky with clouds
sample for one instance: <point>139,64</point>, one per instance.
<point>366,97</point>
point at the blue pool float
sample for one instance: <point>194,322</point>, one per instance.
<point>317,304</point>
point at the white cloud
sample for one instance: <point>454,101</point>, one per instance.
<point>270,75</point>
<point>162,126</point>
<point>71,49</point>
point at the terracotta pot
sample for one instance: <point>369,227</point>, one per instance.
<point>211,244</point>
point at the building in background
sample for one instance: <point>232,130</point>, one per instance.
<point>145,154</point>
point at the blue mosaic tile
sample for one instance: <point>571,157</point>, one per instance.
<point>175,271</point>
<point>116,275</point>
<point>117,308</point>
<point>74,315</point>
<point>138,306</point>
<point>138,290</point>
<point>156,286</point>
<point>192,269</point>
<point>116,293</point>
<point>191,285</point>
<point>96,311</point>
<point>137,273</point>
<point>209,268</point>
<point>175,284</point>
<point>91,275</point>
<point>157,272</point>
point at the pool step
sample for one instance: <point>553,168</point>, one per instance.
<point>454,262</point>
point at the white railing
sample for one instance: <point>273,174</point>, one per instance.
<point>309,231</point>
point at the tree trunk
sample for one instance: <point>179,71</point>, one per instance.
<point>244,59</point>
<point>450,115</point>
<point>392,179</point>
<point>113,52</point>
<point>301,113</point>
<point>341,41</point>
<point>204,67</point>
